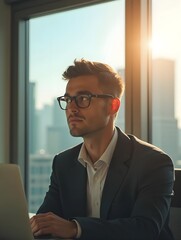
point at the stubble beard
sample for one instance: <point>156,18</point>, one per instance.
<point>84,132</point>
<point>77,133</point>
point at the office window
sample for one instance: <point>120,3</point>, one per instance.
<point>96,33</point>
<point>166,77</point>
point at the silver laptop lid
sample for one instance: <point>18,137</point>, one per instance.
<point>14,219</point>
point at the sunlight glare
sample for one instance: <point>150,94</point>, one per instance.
<point>157,48</point>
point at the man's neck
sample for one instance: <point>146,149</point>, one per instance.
<point>97,144</point>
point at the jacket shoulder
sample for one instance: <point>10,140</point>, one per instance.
<point>67,157</point>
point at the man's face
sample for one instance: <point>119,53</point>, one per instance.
<point>84,122</point>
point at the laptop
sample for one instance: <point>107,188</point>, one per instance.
<point>14,217</point>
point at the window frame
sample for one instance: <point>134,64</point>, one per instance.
<point>137,64</point>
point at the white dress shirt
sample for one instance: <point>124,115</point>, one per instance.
<point>96,173</point>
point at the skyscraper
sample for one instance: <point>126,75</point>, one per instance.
<point>164,128</point>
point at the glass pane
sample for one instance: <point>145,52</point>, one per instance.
<point>166,77</point>
<point>95,33</point>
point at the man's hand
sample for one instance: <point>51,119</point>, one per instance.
<point>49,223</point>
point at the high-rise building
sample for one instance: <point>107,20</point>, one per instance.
<point>39,179</point>
<point>33,120</point>
<point>164,128</point>
<point>120,121</point>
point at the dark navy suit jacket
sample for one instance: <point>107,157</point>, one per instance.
<point>136,196</point>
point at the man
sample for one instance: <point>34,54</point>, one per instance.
<point>113,186</point>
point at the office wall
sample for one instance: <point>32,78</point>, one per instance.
<point>4,80</point>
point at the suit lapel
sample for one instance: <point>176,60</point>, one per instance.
<point>116,173</point>
<point>79,189</point>
<point>76,183</point>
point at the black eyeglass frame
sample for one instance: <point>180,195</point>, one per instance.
<point>89,96</point>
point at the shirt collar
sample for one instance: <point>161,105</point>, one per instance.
<point>106,157</point>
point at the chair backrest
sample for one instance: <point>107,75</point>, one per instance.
<point>175,211</point>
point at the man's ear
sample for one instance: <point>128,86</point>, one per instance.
<point>115,105</point>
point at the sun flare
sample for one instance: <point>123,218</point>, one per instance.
<point>157,47</point>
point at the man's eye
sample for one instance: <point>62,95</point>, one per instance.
<point>83,98</point>
<point>67,100</point>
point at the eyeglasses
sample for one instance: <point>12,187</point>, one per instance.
<point>81,100</point>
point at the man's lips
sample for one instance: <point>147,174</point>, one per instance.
<point>74,119</point>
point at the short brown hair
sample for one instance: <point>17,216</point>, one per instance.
<point>110,80</point>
